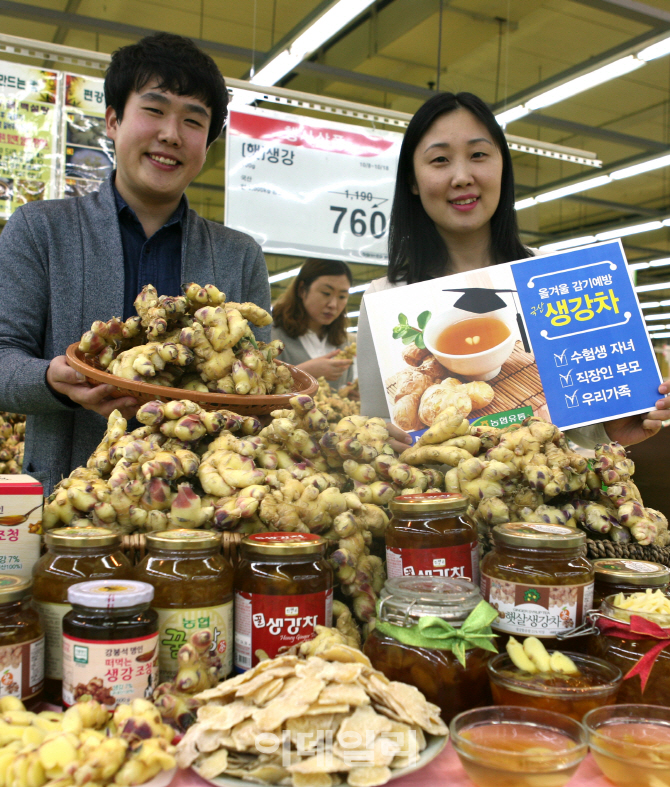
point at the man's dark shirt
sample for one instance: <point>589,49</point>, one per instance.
<point>154,261</point>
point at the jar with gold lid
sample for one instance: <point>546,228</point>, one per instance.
<point>74,554</point>
<point>396,647</point>
<point>431,534</point>
<point>538,579</point>
<point>283,590</point>
<point>21,642</point>
<point>618,575</point>
<point>193,590</point>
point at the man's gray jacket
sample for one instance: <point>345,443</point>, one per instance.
<point>61,268</point>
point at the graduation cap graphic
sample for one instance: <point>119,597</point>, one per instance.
<point>481,300</point>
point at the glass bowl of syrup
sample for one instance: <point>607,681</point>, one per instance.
<point>511,746</point>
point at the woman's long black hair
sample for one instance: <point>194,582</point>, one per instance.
<point>416,249</point>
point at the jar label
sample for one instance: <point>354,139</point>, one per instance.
<point>268,625</point>
<point>111,672</point>
<point>175,626</point>
<point>51,619</point>
<point>461,561</point>
<point>537,610</point>
<point>22,669</point>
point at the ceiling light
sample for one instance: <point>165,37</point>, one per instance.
<point>634,230</point>
<point>637,266</point>
<point>661,285</point>
<point>657,327</point>
<point>353,329</point>
<point>661,335</point>
<point>665,316</point>
<point>578,85</point>
<point>353,314</point>
<point>359,288</point>
<point>568,244</point>
<point>510,115</point>
<point>650,305</point>
<point>655,50</point>
<point>638,169</point>
<point>525,203</point>
<point>284,275</point>
<point>573,188</point>
<point>600,180</point>
<point>660,263</point>
<point>321,30</point>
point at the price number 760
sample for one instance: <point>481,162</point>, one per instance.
<point>359,226</point>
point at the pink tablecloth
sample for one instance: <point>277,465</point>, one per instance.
<point>443,770</point>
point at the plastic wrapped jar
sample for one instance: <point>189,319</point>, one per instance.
<point>625,653</point>
<point>617,575</point>
<point>538,580</point>
<point>193,590</point>
<point>431,534</point>
<point>110,643</point>
<point>283,589</point>
<point>21,642</point>
<point>74,554</point>
<point>437,673</point>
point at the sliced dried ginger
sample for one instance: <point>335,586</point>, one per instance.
<point>342,720</point>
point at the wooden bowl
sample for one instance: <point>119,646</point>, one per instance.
<point>303,383</point>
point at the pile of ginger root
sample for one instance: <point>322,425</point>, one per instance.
<point>185,467</point>
<point>197,341</point>
<point>527,473</point>
<point>12,435</point>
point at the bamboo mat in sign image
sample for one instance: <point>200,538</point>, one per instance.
<point>458,334</point>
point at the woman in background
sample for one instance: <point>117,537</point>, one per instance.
<point>310,319</point>
<point>453,211</point>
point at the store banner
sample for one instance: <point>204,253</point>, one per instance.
<point>28,129</point>
<point>310,187</point>
<point>561,336</point>
<point>88,155</point>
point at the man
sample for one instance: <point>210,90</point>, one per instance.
<point>66,263</point>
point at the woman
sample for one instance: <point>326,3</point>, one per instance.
<point>453,211</point>
<point>309,318</point>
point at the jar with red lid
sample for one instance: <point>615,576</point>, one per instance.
<point>283,589</point>
<point>431,534</point>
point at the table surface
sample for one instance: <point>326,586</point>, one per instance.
<point>445,769</point>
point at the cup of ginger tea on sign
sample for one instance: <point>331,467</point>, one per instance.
<point>472,345</point>
<point>21,501</point>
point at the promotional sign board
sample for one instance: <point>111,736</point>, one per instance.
<point>310,187</point>
<point>562,337</point>
<point>88,155</point>
<point>28,119</point>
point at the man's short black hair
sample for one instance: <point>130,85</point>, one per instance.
<point>179,66</point>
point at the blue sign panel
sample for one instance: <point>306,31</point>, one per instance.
<point>588,334</point>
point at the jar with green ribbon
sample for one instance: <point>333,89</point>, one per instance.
<point>435,633</point>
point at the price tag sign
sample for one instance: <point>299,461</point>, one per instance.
<point>309,187</point>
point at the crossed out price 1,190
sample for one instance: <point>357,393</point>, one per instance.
<point>358,222</point>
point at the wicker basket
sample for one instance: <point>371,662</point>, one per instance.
<point>135,547</point>
<point>597,549</point>
<point>303,383</point>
